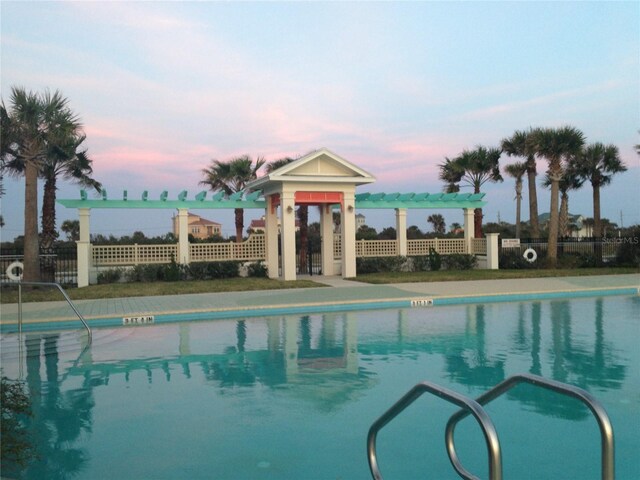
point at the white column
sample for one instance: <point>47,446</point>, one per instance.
<point>348,236</point>
<point>326,233</point>
<point>271,233</point>
<point>401,231</point>
<point>183,236</point>
<point>288,236</point>
<point>468,228</point>
<point>84,248</point>
<point>492,251</point>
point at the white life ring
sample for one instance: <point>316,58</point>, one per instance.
<point>530,255</point>
<point>13,276</point>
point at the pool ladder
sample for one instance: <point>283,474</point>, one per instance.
<point>469,406</point>
<point>47,284</point>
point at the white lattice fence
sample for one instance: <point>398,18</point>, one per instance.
<point>376,248</point>
<point>132,254</point>
<point>254,248</point>
<point>479,246</point>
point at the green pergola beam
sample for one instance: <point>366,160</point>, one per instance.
<point>218,201</point>
<point>254,200</point>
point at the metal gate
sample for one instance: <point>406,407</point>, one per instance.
<point>58,265</point>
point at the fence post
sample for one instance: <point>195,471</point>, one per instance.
<point>83,252</point>
<point>492,251</point>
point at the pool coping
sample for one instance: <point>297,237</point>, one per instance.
<point>414,300</point>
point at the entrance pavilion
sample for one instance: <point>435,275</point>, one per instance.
<point>320,178</point>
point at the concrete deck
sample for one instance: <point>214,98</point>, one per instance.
<point>334,294</point>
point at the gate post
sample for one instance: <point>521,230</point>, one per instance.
<point>84,248</point>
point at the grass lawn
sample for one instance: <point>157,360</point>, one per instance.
<point>122,290</point>
<point>458,275</point>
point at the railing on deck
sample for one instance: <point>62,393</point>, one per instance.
<point>254,248</point>
<point>104,255</point>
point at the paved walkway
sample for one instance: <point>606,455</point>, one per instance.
<point>334,293</point>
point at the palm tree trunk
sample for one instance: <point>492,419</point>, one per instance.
<point>31,271</point>
<point>533,202</point>
<point>477,218</point>
<point>518,205</point>
<point>563,219</point>
<point>239,213</point>
<point>597,224</point>
<point>552,242</point>
<point>49,235</point>
<point>477,223</point>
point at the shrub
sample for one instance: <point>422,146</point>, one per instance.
<point>460,261</point>
<point>112,275</point>
<point>213,270</point>
<point>257,269</point>
<point>513,259</point>
<point>420,263</point>
<point>171,272</point>
<point>381,264</point>
<point>144,273</point>
<point>628,254</point>
<point>435,260</point>
<point>16,446</point>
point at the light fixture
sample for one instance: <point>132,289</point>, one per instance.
<point>289,209</point>
<point>350,208</point>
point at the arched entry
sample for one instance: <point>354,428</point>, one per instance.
<point>319,178</point>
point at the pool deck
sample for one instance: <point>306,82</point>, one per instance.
<point>333,294</point>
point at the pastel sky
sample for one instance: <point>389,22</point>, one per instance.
<point>164,87</point>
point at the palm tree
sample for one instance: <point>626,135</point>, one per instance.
<point>230,177</point>
<point>569,181</point>
<point>438,222</point>
<point>521,145</point>
<point>517,171</point>
<point>598,164</point>
<point>557,146</point>
<point>66,161</point>
<point>33,124</point>
<point>473,168</point>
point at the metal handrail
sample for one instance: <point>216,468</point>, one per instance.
<point>606,430</point>
<point>47,284</point>
<point>468,404</point>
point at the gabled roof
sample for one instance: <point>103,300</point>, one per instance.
<point>318,166</point>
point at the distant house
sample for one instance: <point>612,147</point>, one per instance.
<point>199,227</point>
<point>578,228</point>
<point>360,221</point>
<point>257,226</point>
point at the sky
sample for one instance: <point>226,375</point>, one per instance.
<point>162,88</point>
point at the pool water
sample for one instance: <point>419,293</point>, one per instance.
<point>293,397</point>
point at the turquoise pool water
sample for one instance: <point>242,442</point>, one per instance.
<point>293,397</point>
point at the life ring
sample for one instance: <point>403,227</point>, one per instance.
<point>13,276</point>
<point>530,255</point>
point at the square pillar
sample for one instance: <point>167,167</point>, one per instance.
<point>492,251</point>
<point>84,248</point>
<point>468,228</point>
<point>271,234</point>
<point>183,236</point>
<point>348,236</point>
<point>401,231</point>
<point>326,234</point>
<point>288,236</point>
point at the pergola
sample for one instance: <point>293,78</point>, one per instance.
<point>320,178</point>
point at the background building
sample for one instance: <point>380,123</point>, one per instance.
<point>199,227</point>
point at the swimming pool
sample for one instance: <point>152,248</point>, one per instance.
<point>293,396</point>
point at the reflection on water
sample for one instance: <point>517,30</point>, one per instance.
<point>324,364</point>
